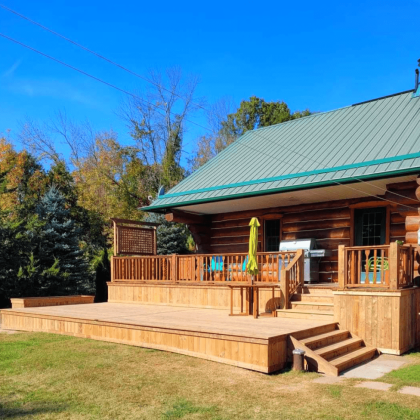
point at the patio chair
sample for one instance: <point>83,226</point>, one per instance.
<point>216,266</point>
<point>237,270</point>
<point>371,268</point>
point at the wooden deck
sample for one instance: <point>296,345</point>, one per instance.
<point>257,344</point>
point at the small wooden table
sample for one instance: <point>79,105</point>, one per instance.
<point>248,292</point>
<point>252,290</point>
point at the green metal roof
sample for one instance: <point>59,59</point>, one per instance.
<point>368,140</point>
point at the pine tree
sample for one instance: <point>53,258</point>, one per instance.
<point>171,237</point>
<point>102,266</point>
<point>57,263</point>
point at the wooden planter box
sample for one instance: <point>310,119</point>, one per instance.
<point>33,302</point>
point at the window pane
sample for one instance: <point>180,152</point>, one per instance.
<point>272,235</point>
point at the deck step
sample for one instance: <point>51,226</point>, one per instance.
<point>313,306</point>
<point>308,297</point>
<point>302,314</point>
<point>333,351</point>
<point>353,358</point>
<point>314,290</point>
<point>338,349</point>
<point>326,339</point>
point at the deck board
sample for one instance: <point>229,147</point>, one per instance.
<point>258,344</point>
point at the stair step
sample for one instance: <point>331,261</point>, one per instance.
<point>317,291</point>
<point>338,349</point>
<point>325,339</point>
<point>314,306</point>
<point>301,314</point>
<point>308,297</point>
<point>353,358</point>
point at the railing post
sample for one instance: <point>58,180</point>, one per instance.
<point>284,286</point>
<point>301,268</point>
<point>341,267</point>
<point>174,271</point>
<point>394,265</point>
<point>112,269</point>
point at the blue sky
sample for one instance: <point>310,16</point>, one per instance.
<point>316,55</point>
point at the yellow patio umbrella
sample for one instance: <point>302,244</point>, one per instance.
<point>252,265</point>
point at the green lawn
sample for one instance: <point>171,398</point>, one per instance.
<point>45,376</point>
<point>408,375</point>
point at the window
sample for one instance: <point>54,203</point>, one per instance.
<point>272,235</point>
<point>370,226</point>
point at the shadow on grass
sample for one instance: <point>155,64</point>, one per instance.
<point>21,412</point>
<point>413,352</point>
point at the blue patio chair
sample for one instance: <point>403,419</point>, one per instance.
<point>216,263</point>
<point>371,268</point>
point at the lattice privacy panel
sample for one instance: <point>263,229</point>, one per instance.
<point>135,241</point>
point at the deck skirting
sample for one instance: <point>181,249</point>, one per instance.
<point>256,344</point>
<point>387,320</point>
<point>193,296</point>
<point>262,355</point>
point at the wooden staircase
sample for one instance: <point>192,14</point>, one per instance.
<point>334,350</point>
<point>312,303</point>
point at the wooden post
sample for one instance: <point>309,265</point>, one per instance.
<point>341,267</point>
<point>301,268</point>
<point>284,287</point>
<point>155,240</point>
<point>112,269</point>
<point>394,262</point>
<point>115,239</point>
<point>174,271</point>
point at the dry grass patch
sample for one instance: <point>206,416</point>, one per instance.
<point>45,376</point>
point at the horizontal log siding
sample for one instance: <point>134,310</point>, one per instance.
<point>330,226</point>
<point>329,223</point>
<point>232,236</point>
<point>397,231</point>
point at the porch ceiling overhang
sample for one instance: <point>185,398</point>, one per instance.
<point>373,188</point>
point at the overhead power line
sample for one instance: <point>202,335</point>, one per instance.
<point>207,128</point>
<point>158,85</point>
<point>97,54</point>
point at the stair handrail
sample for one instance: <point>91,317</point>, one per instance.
<point>291,278</point>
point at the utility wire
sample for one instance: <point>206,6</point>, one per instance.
<point>199,125</point>
<point>158,85</point>
<point>161,86</point>
<point>97,54</point>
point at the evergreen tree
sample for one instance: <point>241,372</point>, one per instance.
<point>14,246</point>
<point>102,266</point>
<point>57,265</point>
<point>171,237</point>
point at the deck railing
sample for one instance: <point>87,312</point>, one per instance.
<point>384,266</point>
<point>144,268</point>
<point>205,268</point>
<point>292,279</point>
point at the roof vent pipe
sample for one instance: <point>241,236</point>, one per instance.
<point>416,83</point>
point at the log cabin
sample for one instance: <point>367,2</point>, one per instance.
<point>337,195</point>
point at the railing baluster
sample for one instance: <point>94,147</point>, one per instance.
<point>382,277</point>
<point>367,253</point>
<point>375,252</point>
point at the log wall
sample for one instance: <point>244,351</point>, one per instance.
<point>331,223</point>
